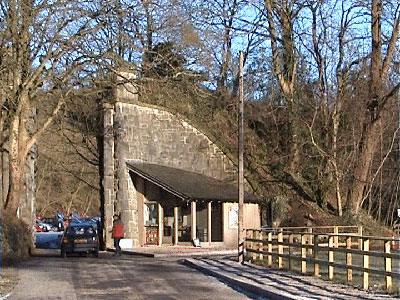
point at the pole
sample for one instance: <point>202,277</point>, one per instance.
<point>241,229</point>
<point>398,182</point>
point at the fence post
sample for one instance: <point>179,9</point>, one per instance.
<point>349,260</point>
<point>303,254</point>
<point>254,245</point>
<point>280,248</point>
<point>336,239</point>
<point>260,246</point>
<point>316,264</point>
<point>245,246</point>
<point>269,261</point>
<point>388,266</point>
<point>290,250</point>
<point>310,240</point>
<point>360,240</point>
<point>330,257</point>
<point>365,263</point>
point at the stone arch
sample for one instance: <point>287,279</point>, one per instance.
<point>144,133</point>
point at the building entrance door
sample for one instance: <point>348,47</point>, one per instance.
<point>151,223</point>
<point>216,224</point>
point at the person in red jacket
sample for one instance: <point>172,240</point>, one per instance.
<point>117,234</point>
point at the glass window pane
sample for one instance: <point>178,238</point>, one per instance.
<point>150,214</point>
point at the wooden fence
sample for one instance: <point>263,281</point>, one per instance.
<point>306,244</point>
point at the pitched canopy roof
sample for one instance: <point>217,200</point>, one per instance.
<point>188,185</point>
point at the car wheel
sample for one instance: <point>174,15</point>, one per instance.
<point>63,253</point>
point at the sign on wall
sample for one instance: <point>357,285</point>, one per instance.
<point>233,219</point>
<point>150,214</point>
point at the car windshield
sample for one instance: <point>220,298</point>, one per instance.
<point>80,230</point>
<point>48,220</point>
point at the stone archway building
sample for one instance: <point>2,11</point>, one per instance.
<point>156,163</point>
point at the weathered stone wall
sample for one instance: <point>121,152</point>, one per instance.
<point>153,135</point>
<point>126,203</point>
<point>108,180</point>
<point>157,136</point>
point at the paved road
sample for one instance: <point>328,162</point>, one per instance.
<point>130,277</point>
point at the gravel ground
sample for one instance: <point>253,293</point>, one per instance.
<point>9,279</point>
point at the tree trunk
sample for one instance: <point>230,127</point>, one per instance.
<point>295,135</point>
<point>369,139</point>
<point>374,106</point>
<point>336,121</point>
<point>284,64</point>
<point>15,166</point>
<point>14,188</point>
<point>226,56</point>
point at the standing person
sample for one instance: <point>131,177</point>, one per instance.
<point>117,234</point>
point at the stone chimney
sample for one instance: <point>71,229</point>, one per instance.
<point>125,88</point>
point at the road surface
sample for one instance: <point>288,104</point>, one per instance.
<point>128,277</point>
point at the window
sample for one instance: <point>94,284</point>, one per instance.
<point>80,230</point>
<point>150,214</point>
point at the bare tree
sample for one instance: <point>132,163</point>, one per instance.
<point>40,55</point>
<point>304,135</point>
<point>375,104</point>
<point>329,105</point>
<point>284,59</point>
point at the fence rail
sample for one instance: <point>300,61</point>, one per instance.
<point>306,244</point>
